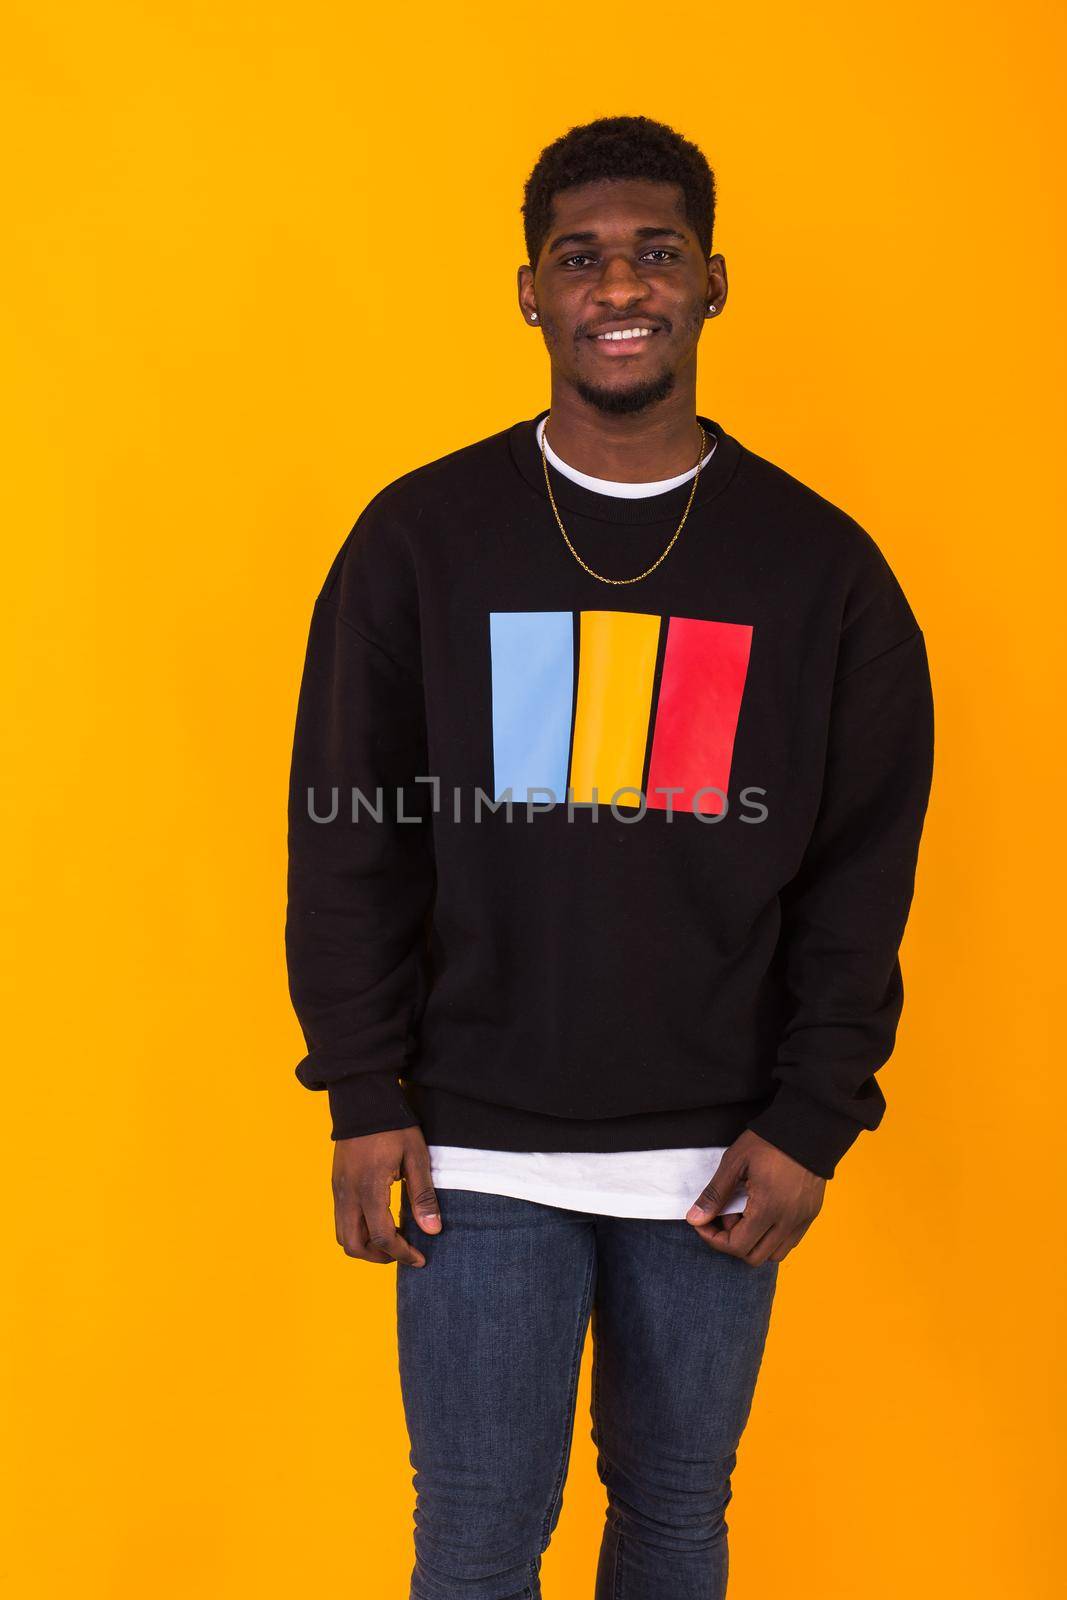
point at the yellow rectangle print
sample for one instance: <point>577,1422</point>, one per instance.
<point>616,668</point>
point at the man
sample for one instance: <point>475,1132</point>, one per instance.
<point>612,757</point>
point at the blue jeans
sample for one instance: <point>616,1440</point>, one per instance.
<point>490,1339</point>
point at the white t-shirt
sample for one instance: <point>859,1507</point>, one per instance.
<point>661,1184</point>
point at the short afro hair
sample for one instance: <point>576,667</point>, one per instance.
<point>618,147</point>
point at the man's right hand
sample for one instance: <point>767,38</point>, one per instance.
<point>364,1171</point>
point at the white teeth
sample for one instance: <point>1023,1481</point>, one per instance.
<point>627,333</point>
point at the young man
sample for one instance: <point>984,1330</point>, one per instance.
<point>612,757</point>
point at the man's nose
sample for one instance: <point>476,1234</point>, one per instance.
<point>620,283</point>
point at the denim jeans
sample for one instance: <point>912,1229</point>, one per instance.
<point>490,1338</point>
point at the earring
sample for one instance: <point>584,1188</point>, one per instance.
<point>712,310</point>
<point>533,316</point>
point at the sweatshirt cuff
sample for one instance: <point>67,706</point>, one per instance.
<point>370,1102</point>
<point>805,1129</point>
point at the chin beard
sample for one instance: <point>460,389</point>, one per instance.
<point>619,402</point>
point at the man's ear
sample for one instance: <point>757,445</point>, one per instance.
<point>718,284</point>
<point>527,304</point>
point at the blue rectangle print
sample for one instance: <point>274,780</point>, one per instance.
<point>533,687</point>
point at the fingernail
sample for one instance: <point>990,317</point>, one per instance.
<point>695,1213</point>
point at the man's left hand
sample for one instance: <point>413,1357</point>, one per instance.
<point>784,1199</point>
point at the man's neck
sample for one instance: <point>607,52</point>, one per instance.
<point>658,443</point>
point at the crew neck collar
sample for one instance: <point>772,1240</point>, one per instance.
<point>628,491</point>
<point>594,503</point>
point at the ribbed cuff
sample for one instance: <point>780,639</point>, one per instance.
<point>807,1130</point>
<point>369,1102</point>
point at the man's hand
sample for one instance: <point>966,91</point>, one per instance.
<point>784,1199</point>
<point>364,1171</point>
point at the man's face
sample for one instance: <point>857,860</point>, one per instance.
<point>621,255</point>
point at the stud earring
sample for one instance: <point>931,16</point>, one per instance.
<point>712,310</point>
<point>533,316</point>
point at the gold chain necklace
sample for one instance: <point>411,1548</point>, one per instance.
<point>677,531</point>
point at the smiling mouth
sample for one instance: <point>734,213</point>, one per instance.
<point>623,340</point>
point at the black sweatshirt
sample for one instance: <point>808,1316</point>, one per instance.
<point>589,866</point>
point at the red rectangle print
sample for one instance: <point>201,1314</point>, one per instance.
<point>704,670</point>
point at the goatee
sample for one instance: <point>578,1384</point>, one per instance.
<point>618,402</point>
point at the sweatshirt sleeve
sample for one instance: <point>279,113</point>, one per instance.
<point>361,869</point>
<point>844,914</point>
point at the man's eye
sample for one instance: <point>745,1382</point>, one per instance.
<point>657,250</point>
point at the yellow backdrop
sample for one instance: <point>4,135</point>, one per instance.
<point>260,261</point>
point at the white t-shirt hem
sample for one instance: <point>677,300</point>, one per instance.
<point>487,1172</point>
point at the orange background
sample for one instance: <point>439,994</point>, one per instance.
<point>261,261</point>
